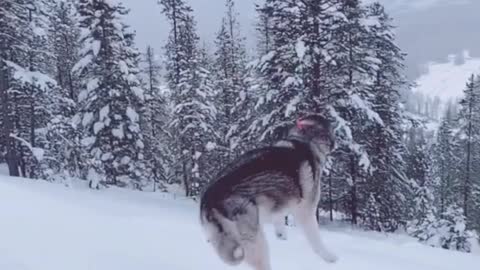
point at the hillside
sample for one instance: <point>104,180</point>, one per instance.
<point>447,80</point>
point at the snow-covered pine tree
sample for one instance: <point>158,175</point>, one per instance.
<point>474,217</point>
<point>351,99</point>
<point>64,39</point>
<point>192,92</point>
<point>372,216</point>
<point>24,64</point>
<point>417,159</point>
<point>321,60</point>
<point>263,29</point>
<point>469,133</point>
<point>12,21</point>
<point>446,225</point>
<point>211,156</point>
<point>258,85</point>
<point>61,139</point>
<point>418,170</point>
<point>452,231</point>
<point>291,78</point>
<point>38,89</point>
<point>230,79</point>
<point>423,215</point>
<point>388,183</point>
<point>154,122</point>
<point>111,99</point>
<point>445,160</point>
<point>449,231</point>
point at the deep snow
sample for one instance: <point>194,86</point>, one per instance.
<point>47,226</point>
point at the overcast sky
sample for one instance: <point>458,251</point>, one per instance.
<point>428,30</point>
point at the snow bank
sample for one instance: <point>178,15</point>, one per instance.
<point>46,226</point>
<point>4,169</point>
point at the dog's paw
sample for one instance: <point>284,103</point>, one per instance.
<point>330,257</point>
<point>281,235</point>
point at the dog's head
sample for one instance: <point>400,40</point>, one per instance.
<point>316,129</point>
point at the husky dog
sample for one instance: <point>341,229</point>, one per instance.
<point>263,186</point>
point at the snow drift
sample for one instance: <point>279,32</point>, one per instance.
<point>47,226</point>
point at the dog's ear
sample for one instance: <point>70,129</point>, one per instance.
<point>306,122</point>
<point>312,120</point>
<point>301,123</point>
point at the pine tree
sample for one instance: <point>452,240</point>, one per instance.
<point>263,30</point>
<point>388,183</point>
<point>469,121</point>
<point>352,98</point>
<point>64,39</point>
<point>445,170</point>
<point>452,230</point>
<point>155,121</point>
<point>423,214</point>
<point>337,58</point>
<point>24,66</point>
<point>209,162</point>
<point>191,85</point>
<point>61,140</point>
<point>372,214</point>
<point>291,78</point>
<point>230,69</point>
<point>12,21</point>
<point>418,163</point>
<point>448,231</point>
<point>111,100</point>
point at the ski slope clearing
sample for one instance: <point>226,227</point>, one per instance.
<point>50,227</point>
<point>447,80</point>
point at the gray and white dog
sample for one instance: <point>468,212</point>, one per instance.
<point>263,186</point>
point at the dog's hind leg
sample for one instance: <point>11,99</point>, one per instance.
<point>309,225</point>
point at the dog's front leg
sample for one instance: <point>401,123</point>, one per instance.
<point>309,225</point>
<point>257,253</point>
<point>280,228</point>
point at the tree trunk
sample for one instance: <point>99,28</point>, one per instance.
<point>466,188</point>
<point>353,191</point>
<point>316,66</point>
<point>7,128</point>
<point>32,132</point>
<point>330,199</point>
<point>185,179</point>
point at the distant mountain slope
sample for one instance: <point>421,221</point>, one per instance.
<point>447,80</point>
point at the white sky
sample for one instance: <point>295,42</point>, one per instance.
<point>151,27</point>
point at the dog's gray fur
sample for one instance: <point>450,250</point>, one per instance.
<point>263,186</point>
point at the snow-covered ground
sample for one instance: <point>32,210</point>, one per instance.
<point>3,169</point>
<point>50,227</point>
